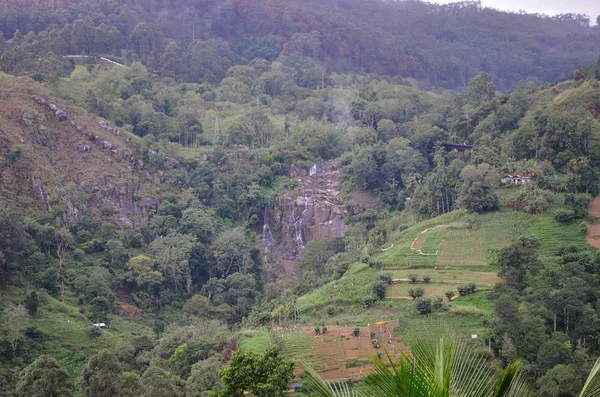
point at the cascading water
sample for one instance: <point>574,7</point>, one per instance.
<point>267,235</point>
<point>313,170</point>
<point>298,226</point>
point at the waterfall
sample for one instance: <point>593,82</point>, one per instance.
<point>313,170</point>
<point>297,221</point>
<point>267,235</point>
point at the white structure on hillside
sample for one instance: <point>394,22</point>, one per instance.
<point>516,178</point>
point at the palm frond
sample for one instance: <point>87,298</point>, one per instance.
<point>402,378</point>
<point>441,367</point>
<point>320,388</point>
<point>512,382</point>
<point>471,377</point>
<point>592,384</point>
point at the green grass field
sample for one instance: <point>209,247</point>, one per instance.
<point>350,289</point>
<point>66,330</point>
<point>459,247</point>
<point>256,340</point>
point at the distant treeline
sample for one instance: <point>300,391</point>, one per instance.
<point>439,45</point>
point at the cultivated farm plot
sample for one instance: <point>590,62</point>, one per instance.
<point>335,356</point>
<point>432,243</point>
<point>462,247</point>
<point>457,247</point>
<point>400,290</point>
<point>452,276</point>
<point>442,280</point>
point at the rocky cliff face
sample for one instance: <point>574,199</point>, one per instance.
<point>315,210</point>
<point>55,155</point>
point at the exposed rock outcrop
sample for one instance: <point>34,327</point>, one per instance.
<point>61,115</point>
<point>315,210</point>
<point>26,121</point>
<point>109,128</point>
<point>171,162</point>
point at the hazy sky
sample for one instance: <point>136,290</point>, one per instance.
<point>550,7</point>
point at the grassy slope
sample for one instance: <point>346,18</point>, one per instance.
<point>88,181</point>
<point>495,230</point>
<point>60,170</point>
<point>469,249</point>
<point>66,330</point>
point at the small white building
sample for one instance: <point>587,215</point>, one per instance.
<point>516,178</point>
<point>100,325</point>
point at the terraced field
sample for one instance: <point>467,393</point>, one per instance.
<point>336,355</point>
<point>451,250</point>
<point>442,280</point>
<point>457,246</point>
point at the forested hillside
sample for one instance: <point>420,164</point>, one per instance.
<point>439,46</point>
<point>199,191</point>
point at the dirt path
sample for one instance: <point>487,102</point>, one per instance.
<point>593,233</point>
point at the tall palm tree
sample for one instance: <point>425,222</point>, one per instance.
<point>447,368</point>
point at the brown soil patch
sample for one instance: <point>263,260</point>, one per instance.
<point>593,233</point>
<point>125,306</point>
<point>332,351</point>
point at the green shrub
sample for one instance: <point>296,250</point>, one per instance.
<point>356,331</point>
<point>50,280</point>
<point>39,77</point>
<point>369,301</point>
<point>564,215</point>
<point>449,294</point>
<point>32,302</point>
<point>379,289</point>
<point>413,278</point>
<point>531,199</point>
<point>94,331</point>
<point>426,278</point>
<point>385,277</point>
<point>578,203</point>
<point>466,289</point>
<point>78,254</point>
<point>471,287</point>
<point>437,302</point>
<point>423,305</point>
<point>375,263</point>
<point>331,310</point>
<point>416,292</point>
<point>582,228</point>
